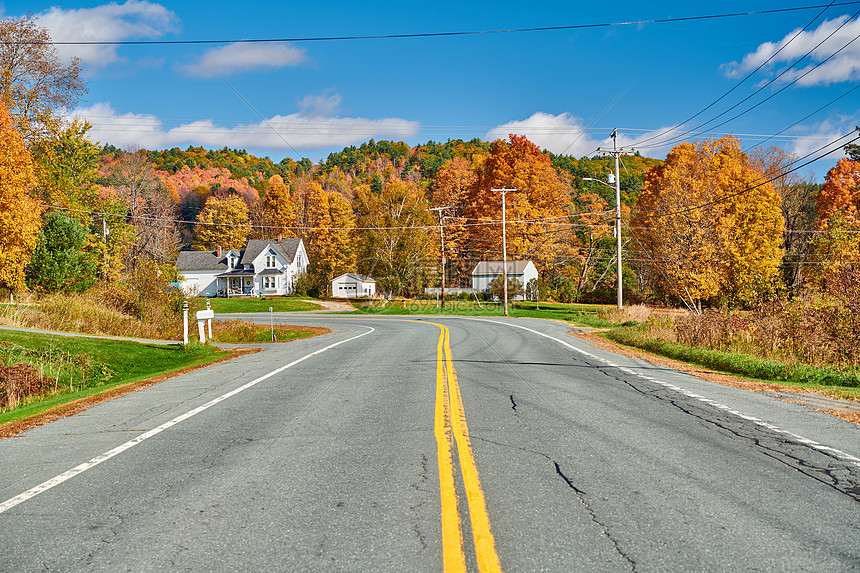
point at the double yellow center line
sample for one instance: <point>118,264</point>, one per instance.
<point>450,429</point>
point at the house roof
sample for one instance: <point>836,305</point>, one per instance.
<point>286,248</point>
<point>270,272</point>
<point>201,261</point>
<point>355,277</point>
<point>497,267</point>
<point>236,273</point>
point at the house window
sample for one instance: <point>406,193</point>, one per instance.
<point>268,282</point>
<point>271,261</point>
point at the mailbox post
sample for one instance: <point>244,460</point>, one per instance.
<point>185,323</point>
<point>209,320</point>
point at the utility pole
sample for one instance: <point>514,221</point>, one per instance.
<point>504,249</point>
<point>442,242</point>
<point>616,153</point>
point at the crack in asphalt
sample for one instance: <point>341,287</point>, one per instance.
<point>808,461</point>
<point>418,486</point>
<point>580,495</point>
<point>514,405</point>
<point>593,515</point>
<point>107,537</point>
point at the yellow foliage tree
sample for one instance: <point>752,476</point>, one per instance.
<point>710,224</point>
<point>328,236</point>
<point>396,240</point>
<point>223,222</point>
<point>19,211</point>
<point>278,216</point>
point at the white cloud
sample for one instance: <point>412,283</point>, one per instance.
<point>281,132</point>
<point>319,105</point>
<point>234,58</point>
<point>811,139</point>
<point>843,67</point>
<point>133,19</point>
<point>562,133</point>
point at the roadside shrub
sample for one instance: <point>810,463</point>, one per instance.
<point>20,382</point>
<point>28,372</point>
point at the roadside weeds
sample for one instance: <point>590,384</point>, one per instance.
<point>843,408</point>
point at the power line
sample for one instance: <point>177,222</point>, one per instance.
<point>771,96</point>
<point>736,86</point>
<point>437,34</point>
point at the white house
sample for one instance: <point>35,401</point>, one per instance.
<point>263,267</point>
<point>486,271</point>
<point>351,285</point>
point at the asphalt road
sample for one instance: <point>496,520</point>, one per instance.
<point>348,452</point>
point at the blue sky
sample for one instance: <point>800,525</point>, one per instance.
<point>556,87</point>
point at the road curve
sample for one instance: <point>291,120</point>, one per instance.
<point>329,454</point>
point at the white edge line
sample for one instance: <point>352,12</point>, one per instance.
<point>45,486</point>
<point>805,441</point>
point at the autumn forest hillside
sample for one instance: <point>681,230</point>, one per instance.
<point>383,199</point>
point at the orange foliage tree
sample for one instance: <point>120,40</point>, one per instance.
<point>594,225</point>
<point>19,211</point>
<point>837,243</point>
<point>450,189</point>
<point>709,224</point>
<point>537,211</point>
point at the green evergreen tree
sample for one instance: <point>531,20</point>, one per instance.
<point>60,261</point>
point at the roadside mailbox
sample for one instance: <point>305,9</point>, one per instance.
<point>204,316</point>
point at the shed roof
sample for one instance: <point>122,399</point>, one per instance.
<point>355,277</point>
<point>498,267</point>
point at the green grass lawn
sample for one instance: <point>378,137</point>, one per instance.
<point>124,362</point>
<point>234,305</point>
<point>579,314</point>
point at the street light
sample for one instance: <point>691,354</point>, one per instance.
<point>613,178</point>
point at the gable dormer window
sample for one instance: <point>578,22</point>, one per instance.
<point>271,261</point>
<point>231,262</point>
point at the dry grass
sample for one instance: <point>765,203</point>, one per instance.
<point>635,313</point>
<point>244,332</point>
<point>110,311</point>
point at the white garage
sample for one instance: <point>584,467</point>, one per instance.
<point>351,285</point>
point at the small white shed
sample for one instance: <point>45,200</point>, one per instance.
<point>351,285</point>
<point>486,271</point>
